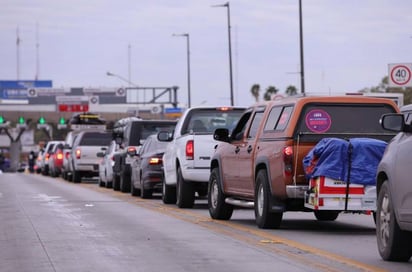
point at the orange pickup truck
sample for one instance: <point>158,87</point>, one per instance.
<point>259,164</point>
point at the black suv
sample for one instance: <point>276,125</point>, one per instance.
<point>130,133</point>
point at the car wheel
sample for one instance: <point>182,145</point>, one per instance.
<point>116,182</point>
<point>134,191</point>
<point>77,178</point>
<point>326,215</point>
<point>185,195</point>
<point>145,193</point>
<point>109,184</point>
<point>218,209</point>
<point>264,218</point>
<point>168,194</point>
<point>394,244</point>
<point>125,182</point>
<point>101,183</point>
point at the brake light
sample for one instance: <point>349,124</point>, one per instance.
<point>190,150</point>
<point>112,158</point>
<point>67,155</point>
<point>59,155</point>
<point>155,160</point>
<point>78,153</point>
<point>288,160</point>
<point>47,156</point>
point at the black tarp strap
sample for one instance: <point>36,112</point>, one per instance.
<point>350,147</point>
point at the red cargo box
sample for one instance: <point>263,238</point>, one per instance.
<point>323,185</point>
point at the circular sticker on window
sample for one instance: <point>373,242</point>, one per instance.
<point>318,121</point>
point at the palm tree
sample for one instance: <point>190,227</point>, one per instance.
<point>291,90</point>
<point>270,91</point>
<point>255,90</point>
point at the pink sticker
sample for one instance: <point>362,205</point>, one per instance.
<point>318,121</point>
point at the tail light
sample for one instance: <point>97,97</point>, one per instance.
<point>112,158</point>
<point>67,155</point>
<point>78,153</point>
<point>288,160</point>
<point>155,161</point>
<point>131,150</point>
<point>46,158</point>
<point>59,155</point>
<point>190,150</point>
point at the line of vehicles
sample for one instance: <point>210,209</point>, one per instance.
<point>326,155</point>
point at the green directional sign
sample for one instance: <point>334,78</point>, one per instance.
<point>21,120</point>
<point>42,121</point>
<point>62,121</point>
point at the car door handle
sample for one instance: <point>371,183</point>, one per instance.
<point>249,149</point>
<point>237,149</point>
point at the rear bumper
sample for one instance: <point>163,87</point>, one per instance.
<point>196,174</point>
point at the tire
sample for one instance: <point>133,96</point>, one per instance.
<point>264,218</point>
<point>146,193</point>
<point>168,193</point>
<point>125,182</point>
<point>326,215</point>
<point>134,191</point>
<point>109,184</point>
<point>77,177</point>
<point>116,182</point>
<point>185,195</point>
<point>394,244</point>
<point>218,208</point>
<point>101,183</point>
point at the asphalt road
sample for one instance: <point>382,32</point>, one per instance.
<point>49,224</point>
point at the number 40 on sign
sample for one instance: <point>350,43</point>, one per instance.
<point>400,75</point>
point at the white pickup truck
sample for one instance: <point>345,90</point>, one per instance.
<point>186,161</point>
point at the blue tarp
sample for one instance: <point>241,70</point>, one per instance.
<point>335,158</point>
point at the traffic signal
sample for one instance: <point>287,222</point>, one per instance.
<point>41,121</point>
<point>2,120</point>
<point>21,120</point>
<point>62,121</point>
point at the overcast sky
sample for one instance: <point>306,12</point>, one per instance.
<point>347,44</point>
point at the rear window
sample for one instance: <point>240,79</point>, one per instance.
<point>142,130</point>
<point>351,119</point>
<point>95,139</point>
<point>208,120</point>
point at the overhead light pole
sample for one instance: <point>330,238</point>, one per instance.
<point>230,50</point>
<point>121,78</point>
<point>302,66</point>
<point>188,65</point>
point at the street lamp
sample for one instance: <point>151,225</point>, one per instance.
<point>188,65</point>
<point>230,50</point>
<point>302,68</point>
<point>121,78</point>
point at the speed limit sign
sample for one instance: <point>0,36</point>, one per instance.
<point>400,75</point>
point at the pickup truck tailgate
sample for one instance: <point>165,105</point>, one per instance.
<point>204,148</point>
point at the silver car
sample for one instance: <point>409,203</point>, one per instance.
<point>106,164</point>
<point>394,192</point>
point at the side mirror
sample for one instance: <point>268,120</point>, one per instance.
<point>221,134</point>
<point>393,122</point>
<point>164,136</point>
